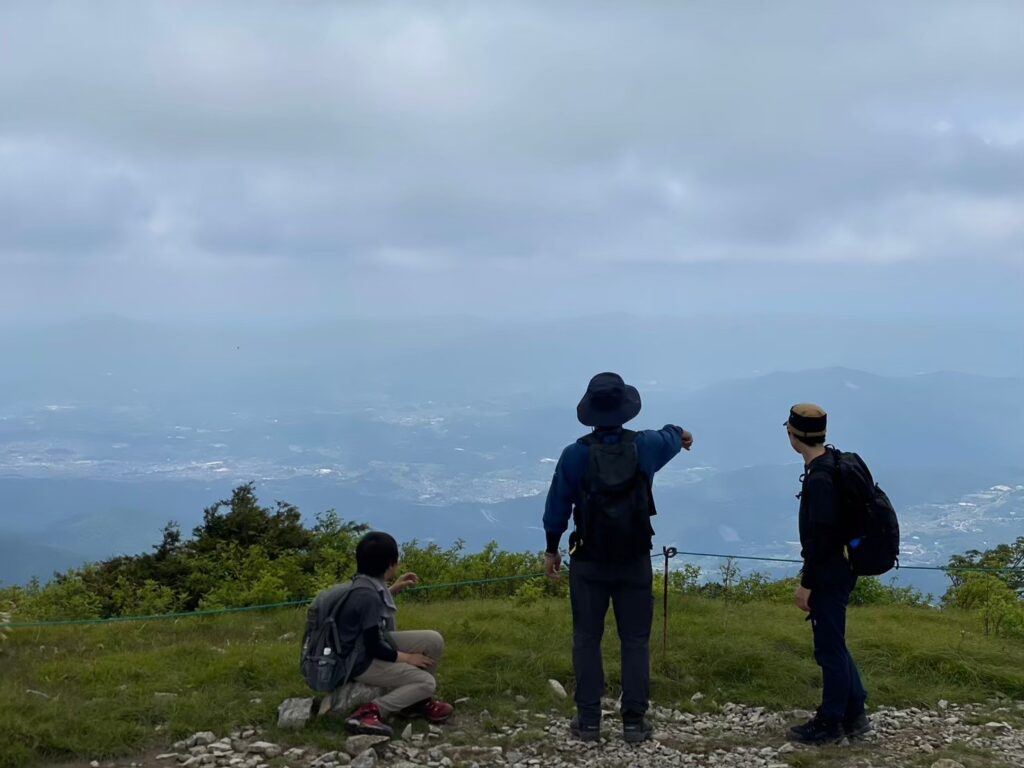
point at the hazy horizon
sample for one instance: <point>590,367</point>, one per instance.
<point>371,253</point>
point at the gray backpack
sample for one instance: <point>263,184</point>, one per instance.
<point>326,662</point>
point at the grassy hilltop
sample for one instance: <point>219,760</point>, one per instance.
<point>86,692</point>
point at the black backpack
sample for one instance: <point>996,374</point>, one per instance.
<point>324,663</point>
<point>613,517</point>
<point>872,529</point>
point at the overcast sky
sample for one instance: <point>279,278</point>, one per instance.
<point>291,160</point>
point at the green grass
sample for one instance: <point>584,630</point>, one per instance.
<point>233,670</point>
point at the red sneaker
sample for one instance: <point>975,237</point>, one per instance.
<point>367,719</point>
<point>437,711</point>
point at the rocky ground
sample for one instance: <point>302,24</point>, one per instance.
<point>970,736</point>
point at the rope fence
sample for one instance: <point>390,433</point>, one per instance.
<point>668,553</point>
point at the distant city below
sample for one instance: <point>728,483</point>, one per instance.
<point>87,473</point>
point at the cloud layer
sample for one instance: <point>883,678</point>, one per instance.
<point>377,157</point>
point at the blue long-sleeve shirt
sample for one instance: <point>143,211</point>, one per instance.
<point>655,449</point>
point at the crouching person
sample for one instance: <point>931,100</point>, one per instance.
<point>368,648</point>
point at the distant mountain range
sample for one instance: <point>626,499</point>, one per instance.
<point>186,372</point>
<point>83,480</point>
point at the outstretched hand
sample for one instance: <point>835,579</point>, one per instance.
<point>403,582</point>
<point>687,440</point>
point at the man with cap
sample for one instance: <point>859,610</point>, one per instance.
<point>825,584</point>
<point>603,481</point>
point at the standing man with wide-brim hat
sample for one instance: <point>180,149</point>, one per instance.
<point>603,482</point>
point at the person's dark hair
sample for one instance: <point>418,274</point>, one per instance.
<point>375,553</point>
<point>811,441</point>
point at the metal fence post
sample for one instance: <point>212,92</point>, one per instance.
<point>668,553</point>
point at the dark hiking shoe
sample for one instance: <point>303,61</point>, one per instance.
<point>367,719</point>
<point>636,730</point>
<point>857,726</point>
<point>584,732</point>
<point>818,730</point>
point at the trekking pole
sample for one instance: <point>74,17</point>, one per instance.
<point>669,553</point>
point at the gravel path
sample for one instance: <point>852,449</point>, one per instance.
<point>950,736</point>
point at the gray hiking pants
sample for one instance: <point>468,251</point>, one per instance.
<point>406,684</point>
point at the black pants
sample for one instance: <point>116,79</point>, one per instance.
<point>843,694</point>
<point>628,586</point>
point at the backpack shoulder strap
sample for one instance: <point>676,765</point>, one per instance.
<point>829,464</point>
<point>352,587</point>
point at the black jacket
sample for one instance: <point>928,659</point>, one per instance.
<point>822,539</point>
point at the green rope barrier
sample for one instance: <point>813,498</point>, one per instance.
<point>453,585</point>
<point>154,616</point>
<point>246,608</point>
<point>473,582</point>
<point>943,568</point>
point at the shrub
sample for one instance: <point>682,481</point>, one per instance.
<point>871,591</point>
<point>68,596</point>
<point>1007,558</point>
<point>1001,611</point>
<point>247,554</point>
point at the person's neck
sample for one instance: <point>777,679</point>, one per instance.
<point>811,452</point>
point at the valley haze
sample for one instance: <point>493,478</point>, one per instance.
<point>448,428</point>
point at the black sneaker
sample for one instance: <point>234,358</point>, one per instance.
<point>636,730</point>
<point>584,732</point>
<point>818,730</point>
<point>857,726</point>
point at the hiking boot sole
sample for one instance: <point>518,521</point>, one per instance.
<point>856,733</point>
<point>411,715</point>
<point>368,730</point>
<point>796,738</point>
<point>636,737</point>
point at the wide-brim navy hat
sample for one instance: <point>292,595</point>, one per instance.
<point>608,402</point>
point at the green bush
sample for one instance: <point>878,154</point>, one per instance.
<point>439,565</point>
<point>871,591</point>
<point>146,599</point>
<point>247,554</point>
<point>1006,560</point>
<point>68,596</point>
<point>1002,613</point>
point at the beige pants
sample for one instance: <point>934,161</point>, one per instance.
<point>406,684</point>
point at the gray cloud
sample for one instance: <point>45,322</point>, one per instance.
<point>366,147</point>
